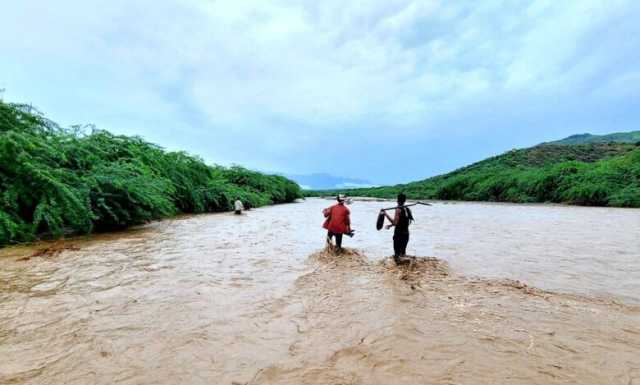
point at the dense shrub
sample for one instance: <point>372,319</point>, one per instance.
<point>55,181</point>
<point>602,174</point>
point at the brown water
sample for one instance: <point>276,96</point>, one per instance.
<point>221,299</point>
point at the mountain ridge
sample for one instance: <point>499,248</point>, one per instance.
<point>586,138</point>
<point>324,181</point>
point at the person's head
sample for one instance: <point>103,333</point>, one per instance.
<point>401,198</point>
<point>341,198</point>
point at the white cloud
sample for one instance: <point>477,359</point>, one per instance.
<point>284,77</point>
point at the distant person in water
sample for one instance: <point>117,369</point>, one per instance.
<point>401,221</point>
<point>238,207</point>
<point>338,222</point>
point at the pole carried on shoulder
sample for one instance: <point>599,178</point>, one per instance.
<point>412,204</point>
<point>381,216</point>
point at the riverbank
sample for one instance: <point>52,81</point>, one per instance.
<point>593,174</point>
<point>56,181</point>
<point>392,200</point>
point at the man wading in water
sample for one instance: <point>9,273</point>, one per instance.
<point>337,222</point>
<point>401,221</point>
<point>238,207</point>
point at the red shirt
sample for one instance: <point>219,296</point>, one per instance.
<point>338,221</point>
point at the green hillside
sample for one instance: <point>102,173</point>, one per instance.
<point>55,181</point>
<point>598,174</point>
<point>619,137</point>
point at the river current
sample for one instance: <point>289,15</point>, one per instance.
<point>508,294</point>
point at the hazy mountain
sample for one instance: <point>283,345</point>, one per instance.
<point>323,181</point>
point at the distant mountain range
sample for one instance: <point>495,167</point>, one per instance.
<point>594,170</point>
<point>323,181</point>
<point>618,137</point>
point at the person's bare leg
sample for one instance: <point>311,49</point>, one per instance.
<point>330,246</point>
<point>338,243</point>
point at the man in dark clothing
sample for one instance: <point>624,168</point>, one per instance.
<point>401,220</point>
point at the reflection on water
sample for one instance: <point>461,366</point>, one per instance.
<point>221,299</point>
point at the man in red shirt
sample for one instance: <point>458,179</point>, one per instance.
<point>337,222</point>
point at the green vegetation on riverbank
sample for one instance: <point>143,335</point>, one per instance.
<point>596,174</point>
<point>55,181</point>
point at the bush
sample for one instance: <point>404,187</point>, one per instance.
<point>55,181</point>
<point>606,175</point>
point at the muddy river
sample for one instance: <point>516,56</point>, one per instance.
<point>507,294</point>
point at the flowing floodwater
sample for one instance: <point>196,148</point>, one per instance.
<point>224,299</point>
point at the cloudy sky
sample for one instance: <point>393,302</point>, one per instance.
<point>385,90</point>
